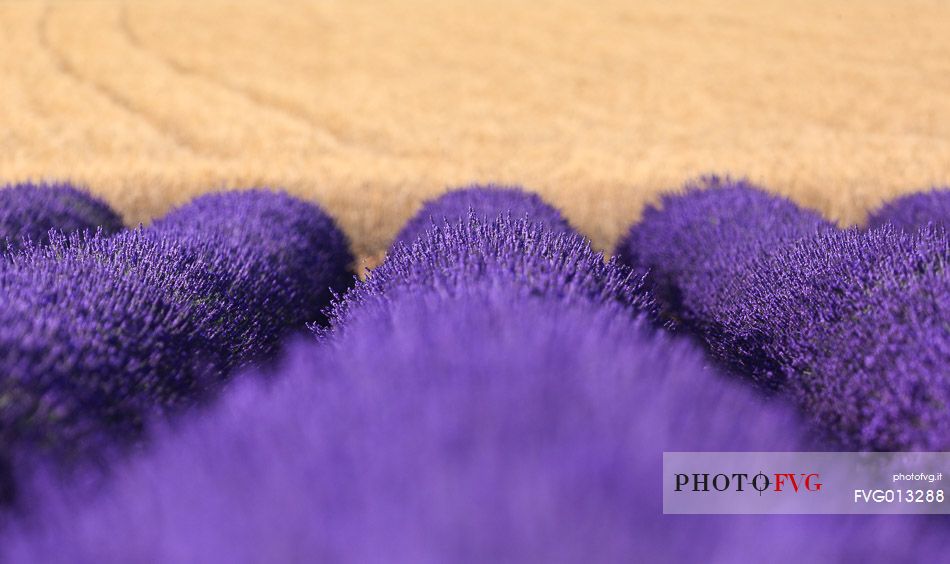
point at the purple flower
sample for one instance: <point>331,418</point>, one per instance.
<point>854,325</point>
<point>489,428</point>
<point>300,258</point>
<point>96,332</point>
<point>915,210</point>
<point>477,255</point>
<point>487,203</point>
<point>100,333</point>
<point>693,241</point>
<point>29,211</point>
<point>849,324</point>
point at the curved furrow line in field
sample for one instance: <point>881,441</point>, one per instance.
<point>261,97</point>
<point>113,97</point>
<point>268,103</point>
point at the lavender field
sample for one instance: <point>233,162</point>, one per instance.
<point>220,386</point>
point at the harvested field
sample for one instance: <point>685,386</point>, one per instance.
<point>371,107</point>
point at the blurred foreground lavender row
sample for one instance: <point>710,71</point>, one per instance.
<point>495,390</point>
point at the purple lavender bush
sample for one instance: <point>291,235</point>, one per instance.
<point>487,203</point>
<point>95,333</point>
<point>853,325</point>
<point>914,211</point>
<point>300,259</point>
<point>457,257</point>
<point>849,324</point>
<point>101,333</point>
<point>693,241</point>
<point>29,211</point>
<point>467,428</point>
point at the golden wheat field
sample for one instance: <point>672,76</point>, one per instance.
<point>371,107</point>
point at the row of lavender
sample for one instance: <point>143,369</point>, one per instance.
<point>493,390</point>
<point>853,324</point>
<point>100,331</point>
